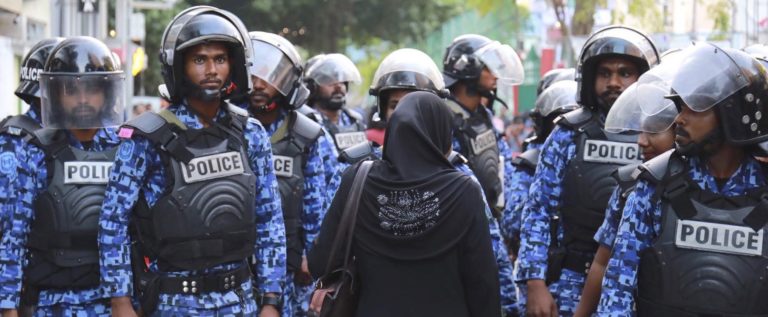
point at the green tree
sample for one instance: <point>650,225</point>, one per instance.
<point>720,12</point>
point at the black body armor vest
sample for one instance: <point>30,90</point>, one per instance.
<point>710,258</point>
<point>206,218</point>
<point>63,236</point>
<point>478,144</point>
<point>291,144</point>
<point>348,136</point>
<point>587,181</point>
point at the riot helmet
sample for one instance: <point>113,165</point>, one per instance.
<point>81,86</point>
<point>467,56</point>
<point>553,76</point>
<point>558,99</point>
<point>406,69</point>
<point>31,66</point>
<point>203,25</point>
<point>331,69</point>
<point>730,80</point>
<point>277,62</point>
<point>611,42</point>
<point>311,62</point>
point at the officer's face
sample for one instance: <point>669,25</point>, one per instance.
<point>692,126</point>
<point>653,144</point>
<point>335,92</point>
<point>207,65</point>
<point>614,74</point>
<point>82,102</point>
<point>487,80</point>
<point>262,93</point>
<point>392,97</point>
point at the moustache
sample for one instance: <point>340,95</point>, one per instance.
<point>210,81</point>
<point>610,93</point>
<point>681,132</point>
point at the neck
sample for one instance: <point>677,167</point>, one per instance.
<point>267,118</point>
<point>207,110</point>
<point>332,115</point>
<point>471,102</point>
<point>83,135</point>
<point>723,163</point>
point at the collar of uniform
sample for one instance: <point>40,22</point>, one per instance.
<point>271,128</point>
<point>103,139</point>
<point>189,117</point>
<point>749,175</point>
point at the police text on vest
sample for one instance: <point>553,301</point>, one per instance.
<point>213,166</point>
<point>611,152</point>
<point>483,141</point>
<point>283,165</point>
<point>84,172</point>
<point>717,237</point>
<point>345,140</point>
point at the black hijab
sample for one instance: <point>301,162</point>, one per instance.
<point>414,202</point>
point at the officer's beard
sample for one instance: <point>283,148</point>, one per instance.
<point>606,99</point>
<point>83,116</point>
<point>197,91</point>
<point>704,148</point>
<point>334,103</point>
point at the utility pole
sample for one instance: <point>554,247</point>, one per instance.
<point>123,12</point>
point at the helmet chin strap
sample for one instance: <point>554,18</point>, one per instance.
<point>491,96</point>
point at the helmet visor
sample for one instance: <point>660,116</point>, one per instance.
<point>503,62</point>
<point>642,108</point>
<point>706,76</point>
<point>334,68</point>
<point>82,102</point>
<point>408,68</point>
<point>560,96</point>
<point>271,65</point>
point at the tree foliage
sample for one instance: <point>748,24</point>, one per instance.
<point>720,12</point>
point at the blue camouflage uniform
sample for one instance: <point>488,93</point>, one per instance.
<point>606,234</point>
<point>516,193</point>
<point>296,297</point>
<point>542,205</point>
<point>24,177</point>
<point>506,277</point>
<point>330,157</point>
<point>138,169</point>
<point>641,225</point>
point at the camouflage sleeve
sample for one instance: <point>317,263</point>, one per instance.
<point>270,249</point>
<point>606,234</point>
<point>19,183</point>
<point>635,234</point>
<point>543,202</point>
<point>315,202</point>
<point>519,183</point>
<point>330,157</point>
<point>125,183</point>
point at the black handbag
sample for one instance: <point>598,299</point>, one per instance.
<point>339,286</point>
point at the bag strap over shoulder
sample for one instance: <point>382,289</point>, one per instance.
<point>345,233</point>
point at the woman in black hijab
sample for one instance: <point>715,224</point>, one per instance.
<point>421,241</point>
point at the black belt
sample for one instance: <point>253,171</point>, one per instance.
<point>219,282</point>
<point>578,262</point>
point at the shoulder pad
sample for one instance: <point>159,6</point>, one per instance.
<point>357,153</point>
<point>306,127</point>
<point>19,124</point>
<point>309,112</point>
<point>457,158</point>
<point>150,122</point>
<point>527,159</point>
<point>662,166</point>
<point>456,108</point>
<point>354,115</point>
<point>575,118</point>
<point>626,173</point>
<point>235,110</point>
<point>45,137</point>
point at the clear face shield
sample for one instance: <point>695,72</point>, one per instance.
<point>271,65</point>
<point>504,63</point>
<point>71,101</point>
<point>408,60</point>
<point>706,75</point>
<point>334,68</point>
<point>642,108</point>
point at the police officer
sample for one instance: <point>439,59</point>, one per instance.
<point>474,67</point>
<point>196,182</point>
<point>57,177</point>
<point>554,101</point>
<point>691,240</point>
<point>328,80</point>
<point>297,149</point>
<point>572,183</point>
<point>641,109</point>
